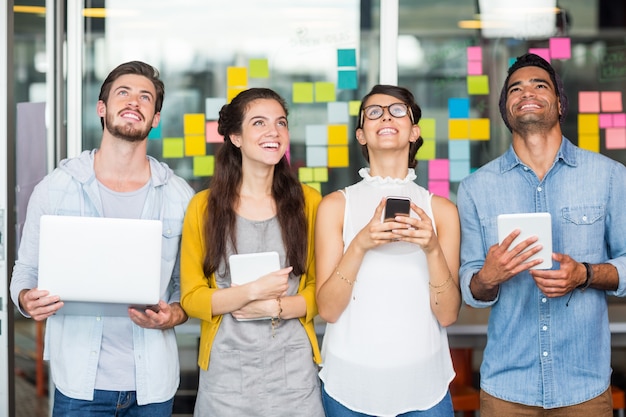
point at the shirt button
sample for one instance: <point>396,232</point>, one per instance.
<point>545,354</point>
<point>544,299</point>
<point>544,328</point>
<point>585,218</point>
<point>539,188</point>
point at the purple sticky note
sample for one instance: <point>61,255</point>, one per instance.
<point>474,53</point>
<point>560,48</point>
<point>441,188</point>
<point>474,67</point>
<point>542,52</point>
<point>619,120</point>
<point>439,169</point>
<point>605,120</point>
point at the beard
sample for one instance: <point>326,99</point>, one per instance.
<point>126,131</point>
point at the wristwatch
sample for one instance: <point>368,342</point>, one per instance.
<point>587,282</point>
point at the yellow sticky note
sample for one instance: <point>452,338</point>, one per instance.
<point>193,124</point>
<point>337,134</point>
<point>324,92</point>
<point>428,128</point>
<point>353,107</point>
<point>588,124</point>
<point>203,166</point>
<point>195,145</point>
<point>259,68</point>
<point>232,93</point>
<point>427,151</point>
<point>479,129</point>
<point>305,174</point>
<point>302,92</point>
<point>477,84</point>
<point>589,142</point>
<point>458,129</point>
<point>173,147</point>
<point>338,157</point>
<point>236,76</point>
<point>320,174</point>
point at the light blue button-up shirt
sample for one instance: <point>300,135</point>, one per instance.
<point>544,351</point>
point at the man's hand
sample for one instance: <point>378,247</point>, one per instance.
<point>39,304</point>
<point>556,283</point>
<point>163,316</point>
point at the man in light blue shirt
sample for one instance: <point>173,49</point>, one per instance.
<point>104,365</point>
<point>548,344</point>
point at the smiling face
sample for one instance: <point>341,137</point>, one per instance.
<point>129,112</point>
<point>264,136</point>
<point>532,104</point>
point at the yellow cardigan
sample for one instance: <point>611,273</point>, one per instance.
<point>197,290</point>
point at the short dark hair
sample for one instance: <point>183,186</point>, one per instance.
<point>533,60</point>
<point>406,97</point>
<point>135,68</point>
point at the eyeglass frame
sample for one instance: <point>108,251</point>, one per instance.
<point>409,112</point>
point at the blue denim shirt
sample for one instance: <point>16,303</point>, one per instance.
<point>544,351</point>
<point>72,343</point>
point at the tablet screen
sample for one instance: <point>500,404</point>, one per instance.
<point>530,224</point>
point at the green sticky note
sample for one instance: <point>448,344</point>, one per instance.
<point>428,128</point>
<point>259,68</point>
<point>173,147</point>
<point>477,84</point>
<point>203,166</point>
<point>302,92</point>
<point>305,174</point>
<point>427,151</point>
<point>324,92</point>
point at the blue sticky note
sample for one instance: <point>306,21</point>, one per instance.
<point>459,108</point>
<point>459,150</point>
<point>346,57</point>
<point>347,79</point>
<point>316,156</point>
<point>459,170</point>
<point>155,133</point>
<point>316,135</point>
<point>338,112</point>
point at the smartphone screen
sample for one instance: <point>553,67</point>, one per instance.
<point>397,206</point>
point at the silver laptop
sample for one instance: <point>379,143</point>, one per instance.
<point>98,265</point>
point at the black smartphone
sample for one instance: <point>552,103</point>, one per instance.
<point>397,206</point>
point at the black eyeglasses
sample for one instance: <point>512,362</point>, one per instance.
<point>376,111</point>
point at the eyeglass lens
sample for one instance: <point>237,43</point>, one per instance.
<point>376,111</point>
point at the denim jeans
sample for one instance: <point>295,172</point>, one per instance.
<point>335,409</point>
<point>109,404</point>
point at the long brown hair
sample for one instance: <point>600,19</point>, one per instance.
<point>286,191</point>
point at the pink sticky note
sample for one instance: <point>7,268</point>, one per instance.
<point>542,52</point>
<point>619,120</point>
<point>589,102</point>
<point>474,53</point>
<point>606,120</point>
<point>474,67</point>
<point>441,188</point>
<point>439,169</point>
<point>611,101</point>
<point>560,48</point>
<point>616,138</point>
<point>211,133</point>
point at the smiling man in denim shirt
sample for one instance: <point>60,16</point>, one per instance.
<point>548,343</point>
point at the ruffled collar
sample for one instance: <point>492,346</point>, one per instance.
<point>365,174</point>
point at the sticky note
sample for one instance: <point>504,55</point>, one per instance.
<point>211,135</point>
<point>303,93</point>
<point>479,129</point>
<point>236,76</point>
<point>232,92</point>
<point>428,128</point>
<point>305,174</point>
<point>542,52</point>
<point>616,138</point>
<point>354,106</point>
<point>212,107</point>
<point>338,157</point>
<point>338,112</point>
<point>611,101</point>
<point>474,53</point>
<point>203,166</point>
<point>588,124</point>
<point>605,120</point>
<point>589,142</point>
<point>320,174</point>
<point>155,133</point>
<point>195,145</point>
<point>324,92</point>
<point>337,134</point>
<point>427,151</point>
<point>440,188</point>
<point>458,108</point>
<point>439,169</point>
<point>346,57</point>
<point>315,135</point>
<point>173,147</point>
<point>259,68</point>
<point>619,120</point>
<point>459,170</point>
<point>458,150</point>
<point>458,129</point>
<point>474,67</point>
<point>589,102</point>
<point>347,80</point>
<point>560,48</point>
<point>477,84</point>
<point>316,156</point>
<point>193,123</point>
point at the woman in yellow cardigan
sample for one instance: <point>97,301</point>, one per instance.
<point>251,365</point>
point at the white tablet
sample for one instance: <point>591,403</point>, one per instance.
<point>530,224</point>
<point>248,267</point>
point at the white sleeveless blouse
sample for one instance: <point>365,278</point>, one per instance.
<point>386,354</point>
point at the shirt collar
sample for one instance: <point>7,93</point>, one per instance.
<point>566,154</point>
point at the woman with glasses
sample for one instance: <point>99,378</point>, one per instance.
<point>387,288</point>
